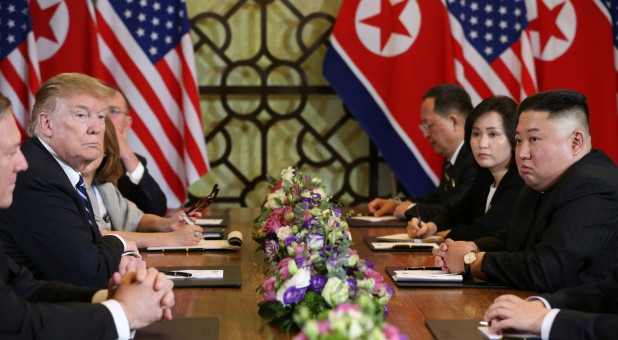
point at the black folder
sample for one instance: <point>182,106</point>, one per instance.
<point>371,239</point>
<point>465,330</point>
<point>181,328</point>
<point>231,277</point>
<point>466,283</point>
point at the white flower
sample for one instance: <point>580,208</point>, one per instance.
<point>284,232</point>
<point>271,202</point>
<point>335,291</point>
<point>287,174</point>
<point>301,279</point>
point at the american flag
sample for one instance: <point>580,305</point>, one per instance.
<point>19,69</point>
<point>146,46</point>
<point>492,55</point>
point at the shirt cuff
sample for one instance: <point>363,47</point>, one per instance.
<point>120,318</point>
<point>100,296</point>
<point>124,244</point>
<point>548,322</point>
<point>136,176</point>
<point>411,206</point>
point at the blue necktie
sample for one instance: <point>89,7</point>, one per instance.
<point>81,190</point>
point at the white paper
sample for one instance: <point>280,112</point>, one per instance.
<point>405,237</point>
<point>374,218</point>
<point>426,276</point>
<point>390,245</point>
<point>491,336</point>
<point>199,274</point>
<point>203,245</point>
<point>209,221</point>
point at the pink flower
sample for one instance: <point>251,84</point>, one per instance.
<point>377,277</point>
<point>271,224</point>
<point>269,289</point>
<point>346,307</point>
<point>391,332</point>
<point>283,268</point>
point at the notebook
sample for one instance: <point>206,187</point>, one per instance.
<point>468,330</point>
<point>181,328</point>
<point>373,221</point>
<point>376,245</point>
<point>467,282</point>
<point>231,277</point>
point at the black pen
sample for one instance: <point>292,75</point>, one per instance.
<point>176,273</point>
<point>423,268</point>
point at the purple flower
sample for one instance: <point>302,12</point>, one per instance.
<point>352,286</point>
<point>315,241</point>
<point>293,295</point>
<point>317,283</point>
<point>271,249</point>
<point>291,239</point>
<point>269,289</point>
<point>337,212</point>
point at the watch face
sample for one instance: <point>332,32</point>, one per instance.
<point>469,257</point>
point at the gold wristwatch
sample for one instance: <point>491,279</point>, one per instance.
<point>469,259</point>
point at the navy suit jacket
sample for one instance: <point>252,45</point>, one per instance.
<point>586,312</point>
<point>147,195</point>
<point>47,229</point>
<point>462,177</point>
<point>564,237</point>
<point>47,310</point>
<point>468,220</point>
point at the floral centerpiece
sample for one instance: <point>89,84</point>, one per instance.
<point>313,269</point>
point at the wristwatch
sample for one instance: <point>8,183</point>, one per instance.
<point>469,259</point>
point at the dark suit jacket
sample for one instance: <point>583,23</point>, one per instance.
<point>564,237</point>
<point>32,310</point>
<point>586,312</point>
<point>147,195</point>
<point>462,175</point>
<point>468,220</point>
<point>46,228</point>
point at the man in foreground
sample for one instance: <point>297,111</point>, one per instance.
<point>50,310</point>
<point>564,228</point>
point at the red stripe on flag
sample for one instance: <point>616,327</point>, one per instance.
<point>470,73</point>
<point>13,78</point>
<point>141,83</point>
<point>511,83</point>
<point>172,179</point>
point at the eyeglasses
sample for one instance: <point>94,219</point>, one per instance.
<point>204,202</point>
<point>425,127</point>
<point>114,111</point>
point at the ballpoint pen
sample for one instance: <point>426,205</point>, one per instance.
<point>423,268</point>
<point>177,273</point>
<point>187,219</point>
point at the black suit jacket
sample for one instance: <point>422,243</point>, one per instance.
<point>462,175</point>
<point>33,310</point>
<point>46,229</point>
<point>147,195</point>
<point>564,237</point>
<point>586,312</point>
<point>468,220</point>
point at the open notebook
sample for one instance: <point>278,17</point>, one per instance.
<point>426,276</point>
<point>403,237</point>
<point>233,242</point>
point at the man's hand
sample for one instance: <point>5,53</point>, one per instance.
<point>511,312</point>
<point>451,253</point>
<point>400,210</point>
<point>381,206</point>
<point>418,229</point>
<point>130,263</point>
<point>145,301</point>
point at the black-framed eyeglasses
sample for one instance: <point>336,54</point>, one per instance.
<point>204,202</point>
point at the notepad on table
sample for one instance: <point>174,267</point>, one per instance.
<point>233,242</point>
<point>199,274</point>
<point>403,245</point>
<point>405,237</point>
<point>426,275</point>
<point>374,218</point>
<point>209,221</point>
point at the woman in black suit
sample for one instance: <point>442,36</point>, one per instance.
<point>485,208</point>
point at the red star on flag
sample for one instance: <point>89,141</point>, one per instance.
<point>545,23</point>
<point>388,21</point>
<point>41,26</point>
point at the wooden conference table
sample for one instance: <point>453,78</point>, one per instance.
<point>236,308</point>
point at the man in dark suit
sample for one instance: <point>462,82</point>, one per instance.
<point>137,185</point>
<point>58,238</point>
<point>586,312</point>
<point>50,310</point>
<point>563,232</point>
<point>443,115</point>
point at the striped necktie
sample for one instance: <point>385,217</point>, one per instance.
<point>447,173</point>
<point>81,190</point>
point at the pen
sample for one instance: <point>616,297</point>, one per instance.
<point>423,268</point>
<point>176,273</point>
<point>187,219</point>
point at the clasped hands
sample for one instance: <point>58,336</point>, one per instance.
<point>450,255</point>
<point>381,206</point>
<point>145,295</point>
